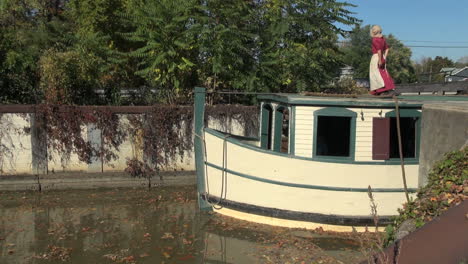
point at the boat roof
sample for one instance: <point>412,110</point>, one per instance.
<point>409,101</point>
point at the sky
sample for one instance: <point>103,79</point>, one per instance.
<point>420,23</point>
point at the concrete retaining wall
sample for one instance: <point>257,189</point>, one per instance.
<point>444,129</point>
<point>23,150</point>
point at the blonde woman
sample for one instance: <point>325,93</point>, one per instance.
<point>380,80</point>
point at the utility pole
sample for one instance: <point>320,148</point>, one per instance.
<point>430,75</point>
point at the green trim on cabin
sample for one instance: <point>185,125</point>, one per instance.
<point>199,114</point>
<point>404,113</point>
<point>278,119</point>
<point>278,128</point>
<point>258,149</point>
<point>292,131</point>
<point>371,102</point>
<point>409,113</point>
<point>308,186</point>
<point>265,124</point>
<point>341,112</point>
<point>408,101</point>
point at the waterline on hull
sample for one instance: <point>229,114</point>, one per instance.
<point>290,223</point>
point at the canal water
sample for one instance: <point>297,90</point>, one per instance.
<point>162,225</point>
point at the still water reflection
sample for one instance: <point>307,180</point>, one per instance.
<point>139,226</point>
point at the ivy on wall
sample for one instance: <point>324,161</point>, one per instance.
<point>161,134</point>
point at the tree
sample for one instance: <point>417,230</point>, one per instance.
<point>27,29</point>
<point>269,45</point>
<point>357,53</point>
<point>63,50</point>
<point>167,47</point>
<point>97,25</point>
<point>399,62</point>
<point>428,69</point>
<point>226,42</point>
<point>298,43</point>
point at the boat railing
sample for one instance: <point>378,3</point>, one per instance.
<point>248,140</point>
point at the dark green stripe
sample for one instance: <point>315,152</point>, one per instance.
<point>307,186</point>
<point>343,220</point>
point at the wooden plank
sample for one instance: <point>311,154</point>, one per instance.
<point>363,144</point>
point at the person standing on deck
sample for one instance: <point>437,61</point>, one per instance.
<point>380,80</point>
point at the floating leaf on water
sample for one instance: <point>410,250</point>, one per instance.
<point>167,236</point>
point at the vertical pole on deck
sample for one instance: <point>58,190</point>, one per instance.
<point>400,147</point>
<point>198,119</point>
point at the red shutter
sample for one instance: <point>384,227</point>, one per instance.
<point>381,138</point>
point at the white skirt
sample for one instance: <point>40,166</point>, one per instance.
<point>375,78</point>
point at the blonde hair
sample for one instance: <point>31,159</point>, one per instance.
<point>376,31</point>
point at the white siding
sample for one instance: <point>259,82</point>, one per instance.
<point>305,123</point>
<point>304,130</point>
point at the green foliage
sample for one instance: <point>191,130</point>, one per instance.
<point>399,61</point>
<point>357,53</point>
<point>165,43</point>
<point>257,46</point>
<point>68,77</point>
<point>447,186</point>
<point>27,29</point>
<point>226,40</point>
<point>167,46</point>
<point>298,50</point>
<point>428,69</point>
<point>346,85</point>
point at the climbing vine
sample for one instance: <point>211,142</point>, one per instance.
<point>447,187</point>
<point>161,135</point>
<point>245,116</point>
<point>166,134</point>
<point>65,131</point>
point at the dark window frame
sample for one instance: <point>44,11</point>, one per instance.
<point>411,113</point>
<point>278,128</point>
<point>335,112</point>
<point>266,130</point>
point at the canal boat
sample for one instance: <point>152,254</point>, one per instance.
<point>314,161</point>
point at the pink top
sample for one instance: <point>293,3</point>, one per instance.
<point>379,44</point>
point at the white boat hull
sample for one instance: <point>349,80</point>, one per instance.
<point>265,183</point>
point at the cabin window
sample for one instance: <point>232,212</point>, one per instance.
<point>408,137</point>
<point>385,136</point>
<point>334,133</point>
<point>281,130</point>
<point>267,124</point>
<point>333,136</point>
